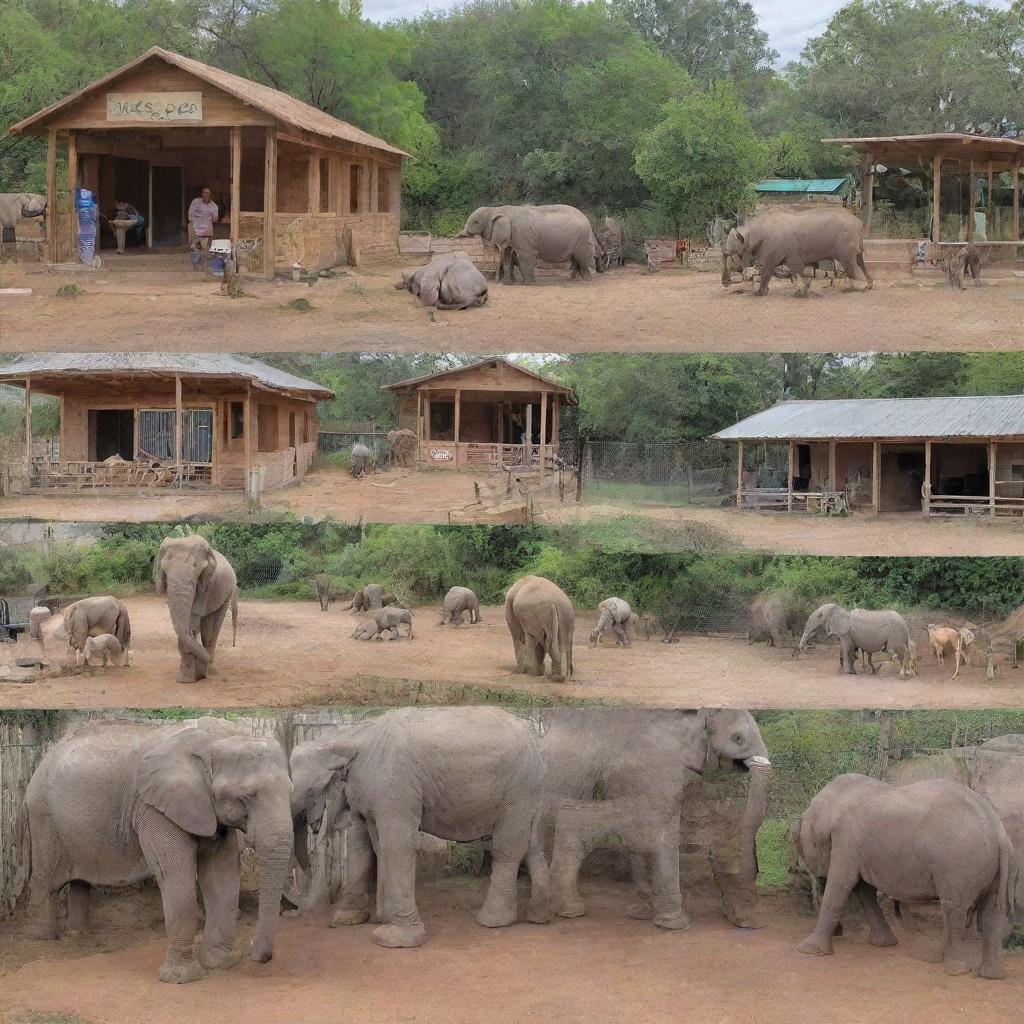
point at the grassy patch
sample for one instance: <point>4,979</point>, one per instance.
<point>772,853</point>
<point>41,1017</point>
<point>639,533</point>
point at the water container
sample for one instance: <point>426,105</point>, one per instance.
<point>83,199</point>
<point>216,266</point>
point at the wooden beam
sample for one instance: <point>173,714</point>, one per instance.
<point>528,435</point>
<point>51,195</point>
<point>72,185</point>
<point>926,487</point>
<point>248,430</point>
<point>426,418</point>
<point>313,184</point>
<point>555,419</point>
<point>177,418</point>
<point>739,475</point>
<point>236,187</point>
<point>869,191</point>
<point>458,416</point>
<point>876,477</point>
<point>988,206</point>
<point>149,208</point>
<point>543,431</point>
<point>937,198</point>
<point>992,478</point>
<point>419,416</point>
<point>832,482</point>
<point>269,203</point>
<point>28,431</point>
<point>970,205</point>
<point>789,476</point>
<point>1016,201</point>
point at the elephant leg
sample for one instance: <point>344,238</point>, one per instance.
<point>527,267</point>
<point>803,275</point>
<point>218,869</point>
<point>187,664</point>
<point>539,911</point>
<point>767,270</point>
<point>354,905</point>
<point>739,896</point>
<point>623,636</point>
<point>554,650</point>
<point>533,655</point>
<point>209,631</point>
<point>171,854</point>
<point>51,869</point>
<point>954,931</point>
<point>401,925</point>
<point>850,269</point>
<point>992,920</point>
<point>879,932</point>
<point>841,881</point>
<point>864,271</point>
<point>847,656</point>
<point>571,826</point>
<point>78,907</point>
<point>640,869</point>
<point>510,843</point>
<point>665,894</point>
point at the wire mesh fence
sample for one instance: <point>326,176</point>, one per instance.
<point>332,442</point>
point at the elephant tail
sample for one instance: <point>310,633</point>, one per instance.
<point>123,629</point>
<point>234,617</point>
<point>564,634</point>
<point>1007,883</point>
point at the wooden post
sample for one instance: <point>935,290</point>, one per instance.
<point>149,208</point>
<point>419,416</point>
<point>236,186</point>
<point>555,425</point>
<point>988,205</point>
<point>869,190</point>
<point>458,417</point>
<point>739,475</point>
<point>1016,203</point>
<point>992,478</point>
<point>426,419</point>
<point>789,476</point>
<point>177,419</point>
<point>247,432</point>
<point>970,205</point>
<point>528,435</point>
<point>51,196</point>
<point>28,432</point>
<point>543,431</point>
<point>876,477</point>
<point>72,185</point>
<point>926,487</point>
<point>270,202</point>
<point>313,183</point>
<point>832,485</point>
<point>936,198</point>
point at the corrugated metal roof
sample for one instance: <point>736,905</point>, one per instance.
<point>825,186</point>
<point>853,418</point>
<point>193,364</point>
<point>413,381</point>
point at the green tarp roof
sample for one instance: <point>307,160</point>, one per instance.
<point>820,185</point>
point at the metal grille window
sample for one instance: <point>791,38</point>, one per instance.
<point>197,435</point>
<point>156,433</point>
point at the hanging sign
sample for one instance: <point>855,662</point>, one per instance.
<point>154,106</point>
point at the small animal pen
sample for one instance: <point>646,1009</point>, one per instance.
<point>298,185</point>
<point>160,419</point>
<point>935,456</point>
<point>491,414</point>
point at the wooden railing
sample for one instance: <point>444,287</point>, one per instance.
<point>81,475</point>
<point>975,505</point>
<point>779,499</point>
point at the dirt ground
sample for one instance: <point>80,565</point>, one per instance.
<point>401,496</point>
<point>626,309</point>
<point>603,967</point>
<point>291,654</point>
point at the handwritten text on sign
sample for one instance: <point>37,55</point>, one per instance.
<point>154,106</point>
<point>441,455</point>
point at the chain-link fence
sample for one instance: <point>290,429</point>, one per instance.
<point>333,442</point>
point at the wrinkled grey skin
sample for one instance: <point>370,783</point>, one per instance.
<point>640,761</point>
<point>800,241</point>
<point>866,631</point>
<point>612,243</point>
<point>555,234</point>
<point>94,616</point>
<point>117,802</point>
<point>541,619</point>
<point>360,459</point>
<point>931,840</point>
<point>201,588</point>
<point>402,446</point>
<point>16,205</point>
<point>460,774</point>
<point>373,595</point>
<point>105,649</point>
<point>447,282</point>
<point>384,620</point>
<point>770,621</point>
<point>458,603</point>
<point>615,616</point>
<point>325,592</point>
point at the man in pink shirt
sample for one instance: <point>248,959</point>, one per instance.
<point>202,215</point>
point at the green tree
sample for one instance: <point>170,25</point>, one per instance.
<point>703,157</point>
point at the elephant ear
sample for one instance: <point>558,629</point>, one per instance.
<point>740,237</point>
<point>838,622</point>
<point>159,576</point>
<point>430,289</point>
<point>174,777</point>
<point>206,573</point>
<point>499,230</point>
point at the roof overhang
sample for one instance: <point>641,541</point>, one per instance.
<point>1003,153</point>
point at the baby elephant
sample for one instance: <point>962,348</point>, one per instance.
<point>615,616</point>
<point>447,282</point>
<point>458,602</point>
<point>384,620</point>
<point>963,258</point>
<point>106,648</point>
<point>361,456</point>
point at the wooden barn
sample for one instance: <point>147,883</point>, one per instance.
<point>489,414</point>
<point>293,183</point>
<point>936,456</point>
<point>165,419</point>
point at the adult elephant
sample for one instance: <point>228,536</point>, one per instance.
<point>772,621</point>
<point>458,603</point>
<point>94,616</point>
<point>626,770</point>
<point>541,619</point>
<point>361,456</point>
<point>15,206</point>
<point>555,234</point>
<point>460,774</point>
<point>930,840</point>
<point>798,240</point>
<point>117,802</point>
<point>200,587</point>
<point>868,631</point>
<point>447,282</point>
<point>402,446</point>
<point>372,596</point>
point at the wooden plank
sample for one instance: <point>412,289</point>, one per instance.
<point>936,198</point>
<point>177,418</point>
<point>236,186</point>
<point>543,431</point>
<point>51,196</point>
<point>270,203</point>
<point>926,487</point>
<point>28,430</point>
<point>313,184</point>
<point>876,477</point>
<point>739,475</point>
<point>970,205</point>
<point>992,477</point>
<point>869,191</point>
<point>458,415</point>
<point>1016,200</point>
<point>72,185</point>
<point>789,476</point>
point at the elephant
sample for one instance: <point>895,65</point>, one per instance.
<point>616,616</point>
<point>458,603</point>
<point>373,595</point>
<point>612,243</point>
<point>105,647</point>
<point>117,802</point>
<point>928,840</point>
<point>94,616</point>
<point>15,206</point>
<point>200,587</point>
<point>384,620</point>
<point>402,445</point>
<point>800,241</point>
<point>459,773</point>
<point>447,282</point>
<point>865,631</point>
<point>772,621</point>
<point>640,761</point>
<point>541,619</point>
<point>361,458</point>
<point>325,592</point>
<point>555,234</point>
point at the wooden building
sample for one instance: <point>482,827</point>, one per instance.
<point>936,456</point>
<point>491,413</point>
<point>296,184</point>
<point>160,419</point>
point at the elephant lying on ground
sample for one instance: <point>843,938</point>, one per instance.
<point>201,588</point>
<point>460,774</point>
<point>117,802</point>
<point>616,615</point>
<point>771,621</point>
<point>373,595</point>
<point>640,761</point>
<point>384,620</point>
<point>555,234</point>
<point>94,616</point>
<point>867,631</point>
<point>932,840</point>
<point>402,446</point>
<point>541,619</point>
<point>800,241</point>
<point>105,648</point>
<point>458,603</point>
<point>15,206</point>
<point>447,282</point>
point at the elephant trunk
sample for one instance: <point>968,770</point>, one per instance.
<point>181,592</point>
<point>272,839</point>
<point>753,816</point>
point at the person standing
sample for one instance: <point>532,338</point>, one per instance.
<point>202,215</point>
